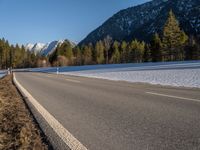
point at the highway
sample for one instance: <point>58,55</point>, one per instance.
<point>115,115</point>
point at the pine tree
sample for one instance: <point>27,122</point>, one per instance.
<point>23,57</point>
<point>93,53</point>
<point>66,50</point>
<point>137,51</point>
<point>53,57</point>
<point>116,54</point>
<point>99,48</point>
<point>173,39</point>
<point>78,55</point>
<point>192,49</point>
<point>87,55</point>
<point>147,54</point>
<point>124,52</point>
<point>156,48</point>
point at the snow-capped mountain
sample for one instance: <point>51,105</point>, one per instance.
<point>50,47</point>
<point>45,49</point>
<point>29,46</point>
<point>144,20</point>
<point>38,47</point>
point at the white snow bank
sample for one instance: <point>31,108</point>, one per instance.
<point>180,77</point>
<point>185,73</point>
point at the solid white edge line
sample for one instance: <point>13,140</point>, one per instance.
<point>171,96</point>
<point>63,133</point>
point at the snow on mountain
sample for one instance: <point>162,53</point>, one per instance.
<point>144,20</point>
<point>50,47</point>
<point>29,46</point>
<point>38,47</point>
<point>45,49</point>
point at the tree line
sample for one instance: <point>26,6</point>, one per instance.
<point>15,56</point>
<point>171,45</point>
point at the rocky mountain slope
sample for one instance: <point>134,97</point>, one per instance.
<point>144,20</point>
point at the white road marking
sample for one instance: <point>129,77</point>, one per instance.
<point>63,133</point>
<point>171,96</point>
<point>76,81</point>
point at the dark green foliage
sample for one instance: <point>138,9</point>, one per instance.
<point>53,57</point>
<point>156,48</point>
<point>147,54</point>
<point>192,49</point>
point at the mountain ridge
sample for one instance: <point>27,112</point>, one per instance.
<point>143,20</point>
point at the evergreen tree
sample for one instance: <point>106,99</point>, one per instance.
<point>173,39</point>
<point>156,48</point>
<point>78,55</point>
<point>99,48</point>
<point>23,57</point>
<point>124,52</point>
<point>116,54</point>
<point>137,51</point>
<point>87,55</point>
<point>53,57</point>
<point>66,50</point>
<point>192,49</point>
<point>15,56</point>
<point>147,54</point>
<point>93,53</point>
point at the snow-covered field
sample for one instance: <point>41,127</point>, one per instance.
<point>185,74</point>
<point>184,77</point>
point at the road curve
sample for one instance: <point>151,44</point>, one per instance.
<point>109,115</point>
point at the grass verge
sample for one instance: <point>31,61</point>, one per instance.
<point>17,127</point>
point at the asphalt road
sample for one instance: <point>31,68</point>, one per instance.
<point>110,115</point>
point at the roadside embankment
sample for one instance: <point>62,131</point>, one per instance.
<point>17,127</point>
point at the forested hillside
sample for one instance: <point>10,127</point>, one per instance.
<point>144,20</point>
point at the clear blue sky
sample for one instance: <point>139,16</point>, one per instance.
<point>31,21</point>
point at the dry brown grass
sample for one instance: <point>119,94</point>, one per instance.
<point>17,128</point>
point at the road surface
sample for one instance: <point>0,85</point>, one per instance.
<point>110,115</point>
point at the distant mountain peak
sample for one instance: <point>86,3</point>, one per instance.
<point>46,49</point>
